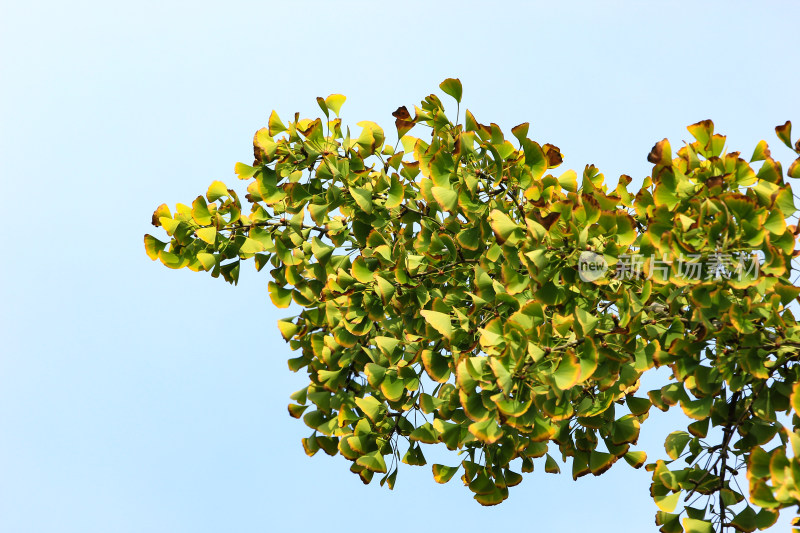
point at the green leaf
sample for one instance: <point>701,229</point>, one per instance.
<point>626,430</point>
<point>599,462</point>
<point>586,321</point>
<point>425,433</point>
<point>766,518</point>
<point>702,131</point>
<point>661,154</point>
<point>385,289</point>
<point>323,106</point>
<point>469,238</point>
<point>363,198</point>
<point>373,461</point>
<point>387,345</point>
<point>170,225</point>
<point>745,520</point>
<point>395,195</point>
<point>670,523</point>
<point>550,465</point>
<point>675,443</point>
<point>494,497</point>
<point>414,456</point>
<point>504,379</point>
<point>535,158</point>
<point>452,87</point>
<point>665,195</point>
<point>393,388</point>
<point>513,407</point>
<point>375,374</point>
<point>761,152</point>
<point>697,409</point>
<point>638,406</point>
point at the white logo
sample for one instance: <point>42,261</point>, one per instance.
<point>591,266</point>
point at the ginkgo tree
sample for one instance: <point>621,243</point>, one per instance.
<point>445,301</point>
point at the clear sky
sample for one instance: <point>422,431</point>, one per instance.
<point>134,398</point>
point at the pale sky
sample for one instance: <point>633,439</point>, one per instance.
<point>134,398</point>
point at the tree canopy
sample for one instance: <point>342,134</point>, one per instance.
<point>454,290</point>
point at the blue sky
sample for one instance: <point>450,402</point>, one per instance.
<point>135,398</point>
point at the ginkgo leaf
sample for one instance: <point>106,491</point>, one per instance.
<point>439,321</point>
<point>452,87</point>
<point>334,102</point>
<point>442,473</point>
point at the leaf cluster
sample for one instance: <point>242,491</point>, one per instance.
<point>442,303</point>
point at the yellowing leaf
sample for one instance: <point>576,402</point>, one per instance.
<point>153,246</point>
<point>251,246</point>
<point>371,407</point>
<point>505,229</point>
<point>667,502</point>
<point>452,87</point>
<point>439,321</point>
<point>287,328</point>
<point>208,235</point>
<point>442,473</point>
<point>436,365</point>
<point>275,126</point>
<point>360,271</point>
<point>569,181</point>
<point>216,190</point>
<point>446,198</point>
<point>568,372</point>
<point>171,260</point>
<point>334,102</point>
<point>486,431</point>
<point>207,260</point>
<point>635,459</point>
<point>692,525</point>
<point>244,171</point>
<point>280,296</point>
